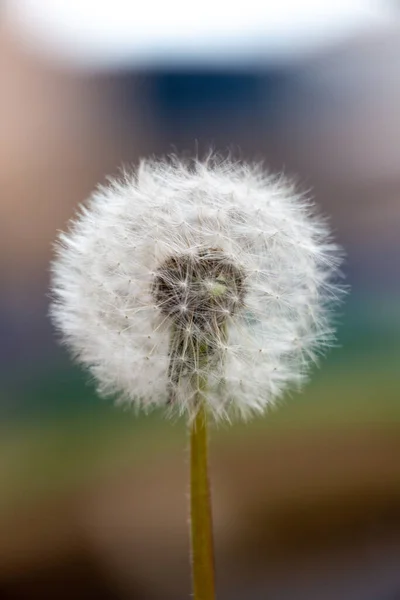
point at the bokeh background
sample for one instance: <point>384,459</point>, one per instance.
<point>93,501</point>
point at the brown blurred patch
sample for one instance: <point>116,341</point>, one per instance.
<point>276,501</point>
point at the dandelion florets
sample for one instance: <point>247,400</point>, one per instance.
<point>186,272</point>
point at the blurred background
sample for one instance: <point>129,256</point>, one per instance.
<point>93,501</point>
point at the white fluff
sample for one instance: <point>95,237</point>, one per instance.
<point>105,268</point>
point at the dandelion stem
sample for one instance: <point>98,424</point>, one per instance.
<point>200,507</point>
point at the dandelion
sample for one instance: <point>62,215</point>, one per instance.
<point>201,287</point>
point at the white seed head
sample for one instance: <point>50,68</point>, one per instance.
<point>187,272</point>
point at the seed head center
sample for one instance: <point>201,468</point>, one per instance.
<point>207,284</point>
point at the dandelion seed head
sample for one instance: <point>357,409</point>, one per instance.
<point>181,271</point>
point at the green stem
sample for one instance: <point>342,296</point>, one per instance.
<point>200,507</point>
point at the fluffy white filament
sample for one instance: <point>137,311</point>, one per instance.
<point>107,310</point>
